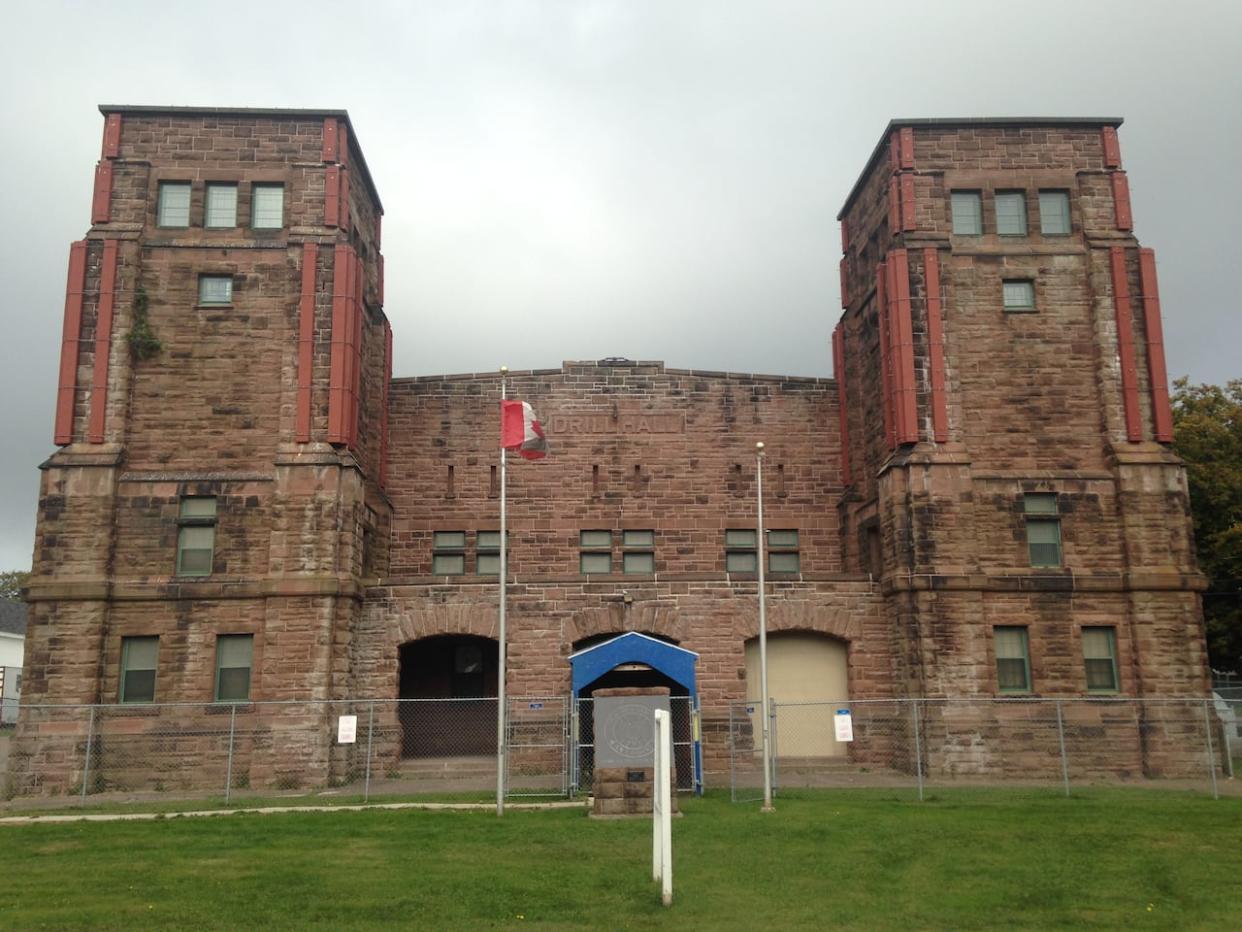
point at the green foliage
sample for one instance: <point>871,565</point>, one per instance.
<point>143,343</point>
<point>11,583</point>
<point>1208,421</point>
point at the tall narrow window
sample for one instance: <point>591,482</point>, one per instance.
<point>220,206</point>
<point>487,553</point>
<point>448,557</point>
<point>1043,528</point>
<point>741,551</point>
<point>596,552</point>
<point>234,658</point>
<point>1013,660</point>
<point>196,537</point>
<point>1099,654</point>
<point>138,663</point>
<point>1011,213</point>
<point>1054,213</point>
<point>638,551</point>
<point>967,213</point>
<point>267,206</point>
<point>783,552</point>
<point>174,204</point>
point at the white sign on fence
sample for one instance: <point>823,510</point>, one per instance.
<point>844,724</point>
<point>347,729</point>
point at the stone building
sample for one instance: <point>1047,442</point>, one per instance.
<point>246,505</point>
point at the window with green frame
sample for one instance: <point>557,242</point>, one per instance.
<point>448,553</point>
<point>741,551</point>
<point>595,552</point>
<point>783,552</point>
<point>234,659</point>
<point>139,656</point>
<point>196,537</point>
<point>1099,655</point>
<point>487,553</point>
<point>173,205</point>
<point>967,209</point>
<point>638,551</point>
<point>1011,213</point>
<point>267,206</point>
<point>1043,528</point>
<point>1013,659</point>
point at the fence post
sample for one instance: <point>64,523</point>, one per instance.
<point>366,786</point>
<point>775,755</point>
<point>1207,726</point>
<point>1229,743</point>
<point>1061,741</point>
<point>228,774</point>
<point>86,764</point>
<point>918,745</point>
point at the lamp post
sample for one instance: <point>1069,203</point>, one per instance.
<point>763,637</point>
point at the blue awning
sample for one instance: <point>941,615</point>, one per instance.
<point>591,663</point>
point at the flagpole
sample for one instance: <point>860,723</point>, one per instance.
<point>500,677</point>
<point>763,638</point>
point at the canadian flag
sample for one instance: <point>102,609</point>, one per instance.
<point>520,430</point>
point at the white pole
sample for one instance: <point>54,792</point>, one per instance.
<point>763,638</point>
<point>500,676</point>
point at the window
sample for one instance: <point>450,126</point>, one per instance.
<point>1013,660</point>
<point>138,657</point>
<point>1099,655</point>
<point>221,206</point>
<point>638,551</point>
<point>1054,213</point>
<point>196,540</point>
<point>215,289</point>
<point>174,204</point>
<point>741,552</point>
<point>234,658</point>
<point>487,553</point>
<point>267,206</point>
<point>596,555</point>
<point>783,552</point>
<point>1011,213</point>
<point>967,213</point>
<point>1018,295</point>
<point>1043,528</point>
<point>448,557</point>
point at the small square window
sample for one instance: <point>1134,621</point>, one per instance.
<point>267,206</point>
<point>1011,213</point>
<point>1013,660</point>
<point>174,204</point>
<point>220,206</point>
<point>595,540</point>
<point>196,536</point>
<point>234,658</point>
<point>595,562</point>
<point>1099,654</point>
<point>1043,528</point>
<point>1019,295</point>
<point>967,213</point>
<point>448,556</point>
<point>1054,213</point>
<point>638,539</point>
<point>138,664</point>
<point>215,289</point>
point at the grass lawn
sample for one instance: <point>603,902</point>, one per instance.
<point>825,859</point>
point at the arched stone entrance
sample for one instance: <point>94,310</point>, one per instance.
<point>461,672</point>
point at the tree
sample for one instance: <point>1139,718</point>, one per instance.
<point>11,582</point>
<point>1208,436</point>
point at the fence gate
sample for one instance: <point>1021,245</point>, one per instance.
<point>537,737</point>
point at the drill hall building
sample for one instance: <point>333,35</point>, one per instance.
<point>246,505</point>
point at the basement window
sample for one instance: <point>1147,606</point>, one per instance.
<point>196,538</point>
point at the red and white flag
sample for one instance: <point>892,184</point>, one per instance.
<point>520,430</point>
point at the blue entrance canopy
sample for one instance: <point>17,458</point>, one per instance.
<point>591,663</point>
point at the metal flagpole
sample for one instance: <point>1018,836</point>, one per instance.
<point>504,577</point>
<point>763,639</point>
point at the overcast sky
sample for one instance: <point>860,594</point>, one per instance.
<point>574,180</point>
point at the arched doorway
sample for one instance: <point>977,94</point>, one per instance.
<point>802,667</point>
<point>461,671</point>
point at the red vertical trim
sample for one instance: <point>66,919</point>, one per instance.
<point>342,146</point>
<point>908,219</point>
<point>344,210</point>
<point>903,348</point>
<point>886,384</point>
<point>306,342</point>
<point>112,136</point>
<point>1162,413</point>
<point>894,364</point>
<point>331,196</point>
<point>843,419</point>
<point>1125,344</point>
<point>894,206</point>
<point>70,336</point>
<point>906,147</point>
<point>341,334</point>
<point>935,346</point>
<point>349,327</point>
<point>103,343</point>
<point>356,393</point>
<point>101,199</point>
<point>383,463</point>
<point>329,139</point>
<point>380,273</point>
<point>1121,201</point>
<point>845,283</point>
<point>1112,148</point>
<point>845,236</point>
<point>894,150</point>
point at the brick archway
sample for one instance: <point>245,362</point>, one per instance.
<point>805,616</point>
<point>433,620</point>
<point>619,618</point>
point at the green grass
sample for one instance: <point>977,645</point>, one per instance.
<point>841,859</point>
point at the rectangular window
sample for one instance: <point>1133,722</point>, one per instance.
<point>138,661</point>
<point>783,552</point>
<point>487,553</point>
<point>741,551</point>
<point>267,206</point>
<point>967,213</point>
<point>215,289</point>
<point>1013,660</point>
<point>1043,528</point>
<point>596,555</point>
<point>1011,213</point>
<point>196,538</point>
<point>448,557</point>
<point>1054,213</point>
<point>1019,295</point>
<point>174,204</point>
<point>220,206</point>
<point>638,551</point>
<point>1099,654</point>
<point>234,658</point>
